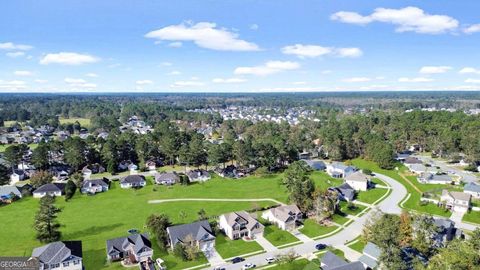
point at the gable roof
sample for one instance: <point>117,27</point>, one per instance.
<point>121,244</point>
<point>199,230</point>
<point>194,174</point>
<point>372,250</point>
<point>241,216</point>
<point>358,177</point>
<point>472,187</point>
<point>51,187</point>
<point>6,190</point>
<point>330,261</point>
<point>131,179</point>
<point>94,182</point>
<point>349,266</point>
<point>457,195</point>
<point>285,213</point>
<point>345,190</point>
<point>167,176</point>
<point>58,252</point>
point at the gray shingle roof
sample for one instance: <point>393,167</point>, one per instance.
<point>200,231</point>
<point>6,190</point>
<point>51,187</point>
<point>357,177</point>
<point>94,182</point>
<point>368,261</point>
<point>346,191</point>
<point>58,252</point>
<point>472,187</point>
<point>350,266</point>
<point>170,176</point>
<point>119,245</point>
<point>133,179</point>
<point>330,261</point>
<point>372,250</point>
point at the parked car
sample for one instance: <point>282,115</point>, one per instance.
<point>237,260</point>
<point>320,246</point>
<point>160,264</point>
<point>219,268</point>
<point>270,259</point>
<point>248,266</point>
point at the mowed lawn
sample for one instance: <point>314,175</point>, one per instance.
<point>84,122</point>
<point>372,195</point>
<point>300,264</point>
<point>354,211</point>
<point>277,236</point>
<point>231,248</point>
<point>312,229</point>
<point>94,219</point>
<point>472,216</point>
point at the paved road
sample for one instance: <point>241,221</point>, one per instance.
<point>388,205</point>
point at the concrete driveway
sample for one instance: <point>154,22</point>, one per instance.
<point>266,245</point>
<point>213,257</point>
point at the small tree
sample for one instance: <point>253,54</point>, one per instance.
<point>158,224</point>
<point>191,249</point>
<point>46,224</point>
<point>179,251</point>
<point>70,189</point>
<point>202,215</point>
<point>40,178</point>
<point>77,179</point>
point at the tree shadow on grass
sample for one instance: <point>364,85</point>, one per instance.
<point>93,230</point>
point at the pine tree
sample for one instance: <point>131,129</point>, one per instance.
<point>406,236</point>
<point>46,224</point>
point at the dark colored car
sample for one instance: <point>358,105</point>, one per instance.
<point>237,260</point>
<point>320,246</point>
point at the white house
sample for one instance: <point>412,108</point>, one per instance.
<point>240,224</point>
<point>198,176</point>
<point>472,189</point>
<point>285,217</point>
<point>430,178</point>
<point>132,168</point>
<point>65,255</point>
<point>16,176</point>
<point>52,189</point>
<point>151,165</point>
<point>339,170</point>
<point>94,186</point>
<point>133,181</point>
<point>358,181</point>
<point>456,201</point>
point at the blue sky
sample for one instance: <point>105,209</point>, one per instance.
<point>238,46</point>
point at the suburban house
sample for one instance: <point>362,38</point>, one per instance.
<point>17,175</point>
<point>446,231</point>
<point>63,255</point>
<point>151,165</point>
<point>7,193</point>
<point>339,170</point>
<point>456,201</point>
<point>430,178</point>
<point>199,232</point>
<point>331,261</point>
<point>88,170</point>
<point>240,224</point>
<point>417,168</point>
<point>230,171</point>
<point>60,172</point>
<point>133,249</point>
<point>412,160</point>
<point>358,181</point>
<point>472,189</point>
<point>198,175</point>
<point>132,168</point>
<point>167,179</point>
<point>51,189</point>
<point>371,254</point>
<point>345,192</point>
<point>286,217</point>
<point>95,186</point>
<point>133,181</point>
<point>316,165</point>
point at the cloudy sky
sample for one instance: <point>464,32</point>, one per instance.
<point>238,45</point>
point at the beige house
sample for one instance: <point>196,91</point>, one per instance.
<point>358,181</point>
<point>285,217</point>
<point>456,201</point>
<point>240,224</point>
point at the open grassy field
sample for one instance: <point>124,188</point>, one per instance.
<point>84,122</point>
<point>313,229</point>
<point>359,245</point>
<point>230,248</point>
<point>413,203</point>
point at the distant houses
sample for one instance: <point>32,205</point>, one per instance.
<point>240,224</point>
<point>430,178</point>
<point>131,249</point>
<point>133,181</point>
<point>316,165</point>
<point>286,217</point>
<point>167,178</point>
<point>198,175</point>
<point>8,193</point>
<point>472,189</point>
<point>64,255</point>
<point>199,232</point>
<point>95,186</point>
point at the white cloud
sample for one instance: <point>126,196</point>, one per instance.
<point>205,35</point>
<point>472,80</point>
<point>434,69</point>
<point>270,67</point>
<point>311,51</point>
<point>469,70</point>
<point>40,81</point>
<point>68,58</point>
<point>12,46</point>
<point>23,73</point>
<point>79,84</point>
<point>92,75</point>
<point>408,19</point>
<point>174,73</point>
<point>14,85</point>
<point>228,80</point>
<point>144,82</point>
<point>357,79</point>
<point>186,84</point>
<point>415,80</point>
<point>15,54</point>
<point>253,26</point>
<point>176,44</point>
<point>472,29</point>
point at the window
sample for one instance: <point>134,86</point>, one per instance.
<point>76,262</point>
<point>66,264</point>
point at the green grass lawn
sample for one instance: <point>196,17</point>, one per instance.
<point>300,264</point>
<point>413,202</point>
<point>94,219</point>
<point>84,122</point>
<point>278,237</point>
<point>335,251</point>
<point>340,219</point>
<point>377,181</point>
<point>472,216</point>
<point>230,248</point>
<point>372,195</point>
<point>358,246</point>
<point>313,229</point>
<point>323,181</point>
<point>344,208</point>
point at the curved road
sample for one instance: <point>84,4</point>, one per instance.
<point>350,232</point>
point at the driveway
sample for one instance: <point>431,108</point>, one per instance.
<point>213,257</point>
<point>302,237</point>
<point>266,245</point>
<point>353,230</point>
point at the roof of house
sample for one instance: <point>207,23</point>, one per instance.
<point>316,164</point>
<point>135,178</point>
<point>472,187</point>
<point>358,177</point>
<point>340,166</point>
<point>444,223</point>
<point>440,177</point>
<point>457,195</point>
<point>369,261</point>
<point>285,212</point>
<point>412,160</point>
<point>331,261</point>
<point>193,174</point>
<point>199,230</point>
<point>346,191</point>
<point>94,182</point>
<point>51,187</point>
<point>139,242</point>
<point>167,176</point>
<point>58,252</point>
<point>418,167</point>
<point>6,190</point>
<point>241,216</point>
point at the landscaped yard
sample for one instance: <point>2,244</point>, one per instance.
<point>473,216</point>
<point>313,229</point>
<point>355,211</point>
<point>230,248</point>
<point>340,219</point>
<point>277,236</point>
<point>359,245</point>
<point>300,264</point>
<point>372,195</point>
<point>94,219</point>
<point>413,202</point>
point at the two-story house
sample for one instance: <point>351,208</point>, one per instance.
<point>135,248</point>
<point>456,201</point>
<point>199,232</point>
<point>240,224</point>
<point>65,255</point>
<point>286,217</point>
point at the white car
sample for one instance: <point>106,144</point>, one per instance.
<point>248,266</point>
<point>270,260</point>
<point>160,264</point>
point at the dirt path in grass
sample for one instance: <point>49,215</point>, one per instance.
<point>216,200</point>
<point>408,181</point>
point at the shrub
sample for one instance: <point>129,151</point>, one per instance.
<point>367,171</point>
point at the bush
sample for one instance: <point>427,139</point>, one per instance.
<point>70,189</point>
<point>471,168</point>
<point>179,251</point>
<point>367,171</point>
